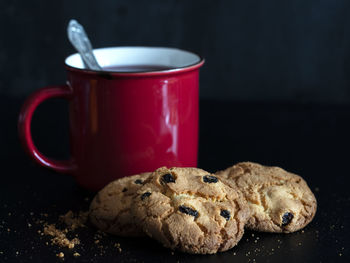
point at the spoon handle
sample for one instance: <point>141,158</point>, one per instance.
<point>81,42</point>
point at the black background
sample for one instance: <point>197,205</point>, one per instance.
<point>274,89</point>
<point>255,50</point>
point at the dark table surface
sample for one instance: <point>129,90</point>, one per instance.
<point>310,140</point>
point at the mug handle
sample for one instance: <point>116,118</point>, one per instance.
<point>24,122</point>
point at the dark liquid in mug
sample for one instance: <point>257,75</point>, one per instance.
<point>136,68</point>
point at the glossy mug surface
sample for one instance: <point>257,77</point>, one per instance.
<point>139,114</point>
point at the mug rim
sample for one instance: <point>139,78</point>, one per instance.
<point>156,72</point>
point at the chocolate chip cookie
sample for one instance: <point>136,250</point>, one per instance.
<point>190,210</point>
<point>110,209</point>
<point>279,201</point>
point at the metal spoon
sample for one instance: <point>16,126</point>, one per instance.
<point>80,41</point>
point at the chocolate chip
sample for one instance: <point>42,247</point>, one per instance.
<point>287,218</point>
<point>225,214</point>
<point>210,179</point>
<point>144,195</point>
<point>125,189</point>
<point>138,181</point>
<point>168,178</point>
<point>188,211</point>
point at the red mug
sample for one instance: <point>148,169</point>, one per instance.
<point>138,114</point>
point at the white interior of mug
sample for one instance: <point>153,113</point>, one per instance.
<point>171,58</point>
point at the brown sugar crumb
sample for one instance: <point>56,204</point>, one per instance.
<point>74,221</point>
<point>59,237</point>
<point>76,254</point>
<point>60,255</point>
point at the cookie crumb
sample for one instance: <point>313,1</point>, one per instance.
<point>29,225</point>
<point>74,221</point>
<point>60,255</point>
<point>71,245</point>
<point>117,245</point>
<point>59,237</point>
<point>76,254</point>
<point>17,252</point>
<point>97,241</point>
